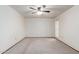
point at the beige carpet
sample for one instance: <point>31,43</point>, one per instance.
<point>41,46</point>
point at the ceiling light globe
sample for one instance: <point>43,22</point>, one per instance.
<point>39,13</point>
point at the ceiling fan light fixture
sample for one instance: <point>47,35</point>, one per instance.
<point>39,13</point>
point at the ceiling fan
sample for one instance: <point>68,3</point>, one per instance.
<point>39,9</point>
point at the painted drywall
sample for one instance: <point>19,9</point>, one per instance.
<point>40,27</point>
<point>69,27</point>
<point>11,27</point>
<point>56,28</point>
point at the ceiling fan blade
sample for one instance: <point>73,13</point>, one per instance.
<point>44,6</point>
<point>39,8</point>
<point>33,12</point>
<point>32,8</point>
<point>46,11</point>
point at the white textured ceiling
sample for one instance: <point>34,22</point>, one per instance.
<point>55,10</point>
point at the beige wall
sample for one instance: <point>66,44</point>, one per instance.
<point>11,27</point>
<point>69,27</point>
<point>40,27</point>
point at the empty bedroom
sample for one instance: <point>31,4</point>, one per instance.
<point>39,29</point>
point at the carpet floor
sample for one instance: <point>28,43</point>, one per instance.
<point>41,46</point>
